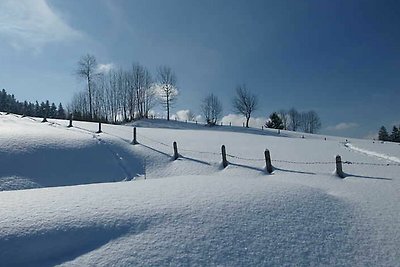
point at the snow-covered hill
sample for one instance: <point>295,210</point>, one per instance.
<point>192,211</point>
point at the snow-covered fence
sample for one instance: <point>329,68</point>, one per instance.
<point>268,164</point>
<point>175,146</point>
<point>223,153</point>
<point>134,141</point>
<point>70,121</point>
<point>99,131</point>
<point>269,168</point>
<point>339,169</point>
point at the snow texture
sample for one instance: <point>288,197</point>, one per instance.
<point>132,205</point>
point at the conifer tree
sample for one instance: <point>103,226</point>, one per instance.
<point>274,122</point>
<point>61,112</point>
<point>383,134</point>
<point>395,136</point>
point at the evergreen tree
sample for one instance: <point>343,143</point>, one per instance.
<point>61,112</point>
<point>383,134</point>
<point>3,100</point>
<point>53,111</point>
<point>38,111</point>
<point>274,122</point>
<point>395,136</point>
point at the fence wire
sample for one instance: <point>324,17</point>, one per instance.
<point>254,159</point>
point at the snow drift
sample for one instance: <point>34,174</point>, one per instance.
<point>191,211</point>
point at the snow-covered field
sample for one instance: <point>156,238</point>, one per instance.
<point>100,201</point>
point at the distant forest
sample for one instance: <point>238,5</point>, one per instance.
<point>9,104</point>
<point>394,136</point>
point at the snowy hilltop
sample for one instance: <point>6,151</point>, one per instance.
<point>73,196</point>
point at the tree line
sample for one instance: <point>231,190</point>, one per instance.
<point>245,103</point>
<point>394,136</point>
<point>9,104</point>
<point>308,121</point>
<point>121,95</point>
<point>128,94</point>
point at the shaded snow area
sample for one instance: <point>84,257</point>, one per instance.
<point>191,211</point>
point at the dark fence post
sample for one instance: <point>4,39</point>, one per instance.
<point>70,121</point>
<point>99,131</point>
<point>223,152</point>
<point>176,155</point>
<point>268,165</point>
<point>134,141</point>
<point>339,170</point>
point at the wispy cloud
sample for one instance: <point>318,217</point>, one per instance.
<point>342,126</point>
<point>32,24</point>
<point>104,68</point>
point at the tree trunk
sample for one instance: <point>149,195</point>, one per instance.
<point>90,99</point>
<point>167,108</point>
<point>247,122</point>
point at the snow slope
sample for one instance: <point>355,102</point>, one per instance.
<point>192,211</point>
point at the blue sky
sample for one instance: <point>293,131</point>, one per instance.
<point>339,58</point>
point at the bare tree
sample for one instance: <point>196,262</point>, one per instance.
<point>211,108</point>
<point>294,119</point>
<point>87,66</point>
<point>167,84</point>
<point>244,102</point>
<point>310,122</point>
<point>143,90</point>
<point>111,95</point>
<point>79,106</point>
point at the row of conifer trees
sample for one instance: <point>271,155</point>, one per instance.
<point>9,104</point>
<point>394,136</point>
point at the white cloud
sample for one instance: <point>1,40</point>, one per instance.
<point>104,68</point>
<point>342,126</point>
<point>184,115</point>
<point>32,24</point>
<point>160,92</point>
<point>238,120</point>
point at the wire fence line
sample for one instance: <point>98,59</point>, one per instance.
<point>274,160</point>
<point>250,159</point>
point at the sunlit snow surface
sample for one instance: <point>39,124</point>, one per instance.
<point>192,211</point>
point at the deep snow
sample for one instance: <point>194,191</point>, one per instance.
<point>192,211</point>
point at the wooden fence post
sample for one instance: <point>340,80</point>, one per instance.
<point>268,165</point>
<point>99,131</point>
<point>70,121</point>
<point>134,141</point>
<point>176,155</point>
<point>339,170</point>
<point>223,152</point>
